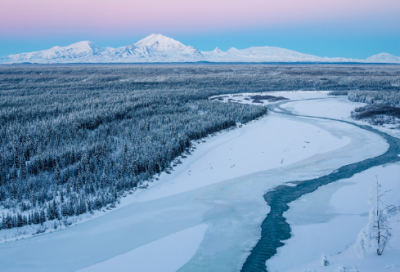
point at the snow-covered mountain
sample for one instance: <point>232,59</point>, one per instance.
<point>384,58</point>
<point>159,48</point>
<point>276,54</point>
<point>154,48</point>
<point>68,53</point>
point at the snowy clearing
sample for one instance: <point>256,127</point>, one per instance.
<point>335,107</point>
<point>293,95</point>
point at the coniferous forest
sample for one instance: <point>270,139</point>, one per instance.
<point>74,138</point>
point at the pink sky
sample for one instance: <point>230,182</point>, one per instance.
<point>21,17</point>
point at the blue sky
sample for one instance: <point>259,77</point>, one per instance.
<point>306,41</point>
<point>332,28</point>
<point>330,46</point>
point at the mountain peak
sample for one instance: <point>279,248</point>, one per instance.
<point>83,43</point>
<point>233,50</point>
<point>79,47</point>
<point>217,50</point>
<point>384,58</point>
<point>159,42</point>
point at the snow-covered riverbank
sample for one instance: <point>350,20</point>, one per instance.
<point>328,220</point>
<point>210,207</point>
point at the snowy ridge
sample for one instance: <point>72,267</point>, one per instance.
<point>68,53</point>
<point>384,58</point>
<point>159,48</point>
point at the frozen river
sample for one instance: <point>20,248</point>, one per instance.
<point>206,215</point>
<point>275,228</point>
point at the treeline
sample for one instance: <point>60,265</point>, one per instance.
<point>70,149</point>
<point>338,93</point>
<point>383,107</point>
<point>215,78</point>
<point>74,138</point>
<point>383,98</point>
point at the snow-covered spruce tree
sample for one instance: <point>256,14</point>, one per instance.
<point>324,260</point>
<point>376,233</point>
<point>73,146</point>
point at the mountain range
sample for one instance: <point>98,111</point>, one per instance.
<point>159,48</point>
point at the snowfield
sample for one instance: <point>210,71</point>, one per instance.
<point>206,214</point>
<point>337,108</point>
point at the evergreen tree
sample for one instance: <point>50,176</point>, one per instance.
<point>377,232</point>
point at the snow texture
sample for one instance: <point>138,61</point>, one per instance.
<point>171,253</point>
